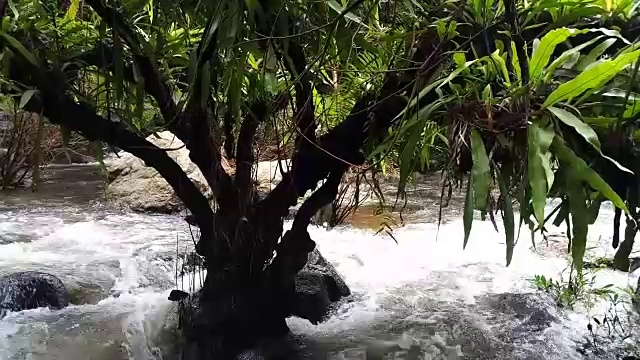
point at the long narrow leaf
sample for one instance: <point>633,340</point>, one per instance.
<point>591,78</point>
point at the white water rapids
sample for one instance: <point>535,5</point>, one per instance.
<point>422,298</point>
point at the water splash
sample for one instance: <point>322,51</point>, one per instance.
<point>420,298</point>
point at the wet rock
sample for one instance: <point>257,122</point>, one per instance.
<point>29,290</point>
<point>318,286</point>
<point>535,312</point>
<point>82,293</point>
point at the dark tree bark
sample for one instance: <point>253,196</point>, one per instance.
<point>246,295</point>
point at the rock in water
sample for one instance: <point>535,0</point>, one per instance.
<point>134,185</point>
<point>140,188</point>
<point>318,285</point>
<point>30,290</point>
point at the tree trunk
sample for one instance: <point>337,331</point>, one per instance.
<point>621,258</point>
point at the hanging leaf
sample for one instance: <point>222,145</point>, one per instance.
<point>481,171</point>
<point>579,220</point>
<point>66,136</point>
<point>467,217</point>
<point>26,97</point>
<point>507,216</point>
<point>586,173</point>
<point>18,47</point>
<point>539,141</point>
<point>591,78</point>
<point>407,162</point>
<point>586,132</point>
<point>581,128</point>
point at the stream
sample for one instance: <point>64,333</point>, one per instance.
<point>419,296</point>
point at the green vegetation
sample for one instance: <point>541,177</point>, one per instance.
<point>519,100</point>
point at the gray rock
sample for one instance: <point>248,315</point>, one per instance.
<point>30,290</point>
<point>140,188</point>
<point>318,286</point>
<point>134,185</point>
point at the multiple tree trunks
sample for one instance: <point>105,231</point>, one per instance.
<point>248,292</point>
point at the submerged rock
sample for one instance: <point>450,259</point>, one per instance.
<point>31,290</point>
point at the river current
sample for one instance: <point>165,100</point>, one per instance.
<point>417,295</point>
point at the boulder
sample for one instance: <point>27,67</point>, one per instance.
<point>134,185</point>
<point>318,286</point>
<point>30,290</point>
<point>140,188</point>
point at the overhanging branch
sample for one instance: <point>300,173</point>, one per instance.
<point>190,126</point>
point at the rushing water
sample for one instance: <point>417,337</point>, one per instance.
<point>420,298</point>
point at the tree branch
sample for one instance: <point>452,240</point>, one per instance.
<point>191,126</point>
<point>245,158</point>
<point>58,107</point>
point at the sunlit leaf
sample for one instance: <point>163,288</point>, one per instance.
<point>544,48</point>
<point>481,171</point>
<point>590,78</point>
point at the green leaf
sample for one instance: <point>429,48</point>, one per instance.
<point>349,15</point>
<point>591,78</point>
<point>567,55</point>
<point>515,63</point>
<point>539,140</point>
<point>433,85</point>
<point>407,157</point>
<point>26,96</point>
<point>72,11</point>
<point>544,48</point>
<point>507,217</point>
<point>481,171</point>
<point>501,65</point>
<point>585,131</point>
<point>579,220</point>
<point>586,173</point>
<point>580,126</point>
<point>467,217</point>
<point>594,54</point>
<point>17,46</point>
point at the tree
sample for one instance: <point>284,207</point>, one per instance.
<point>367,82</point>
